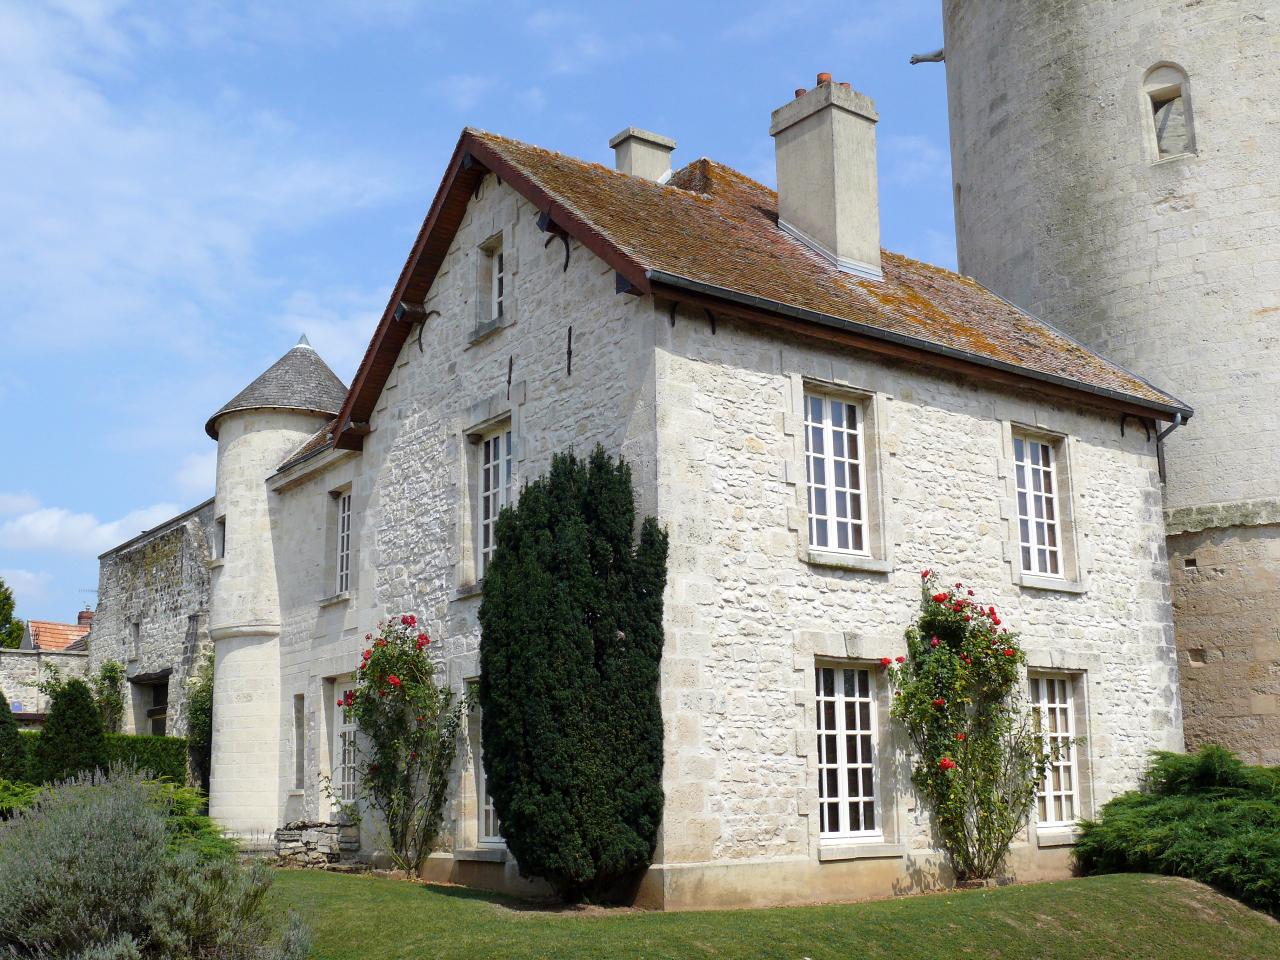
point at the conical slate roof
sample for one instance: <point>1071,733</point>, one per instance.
<point>299,380</point>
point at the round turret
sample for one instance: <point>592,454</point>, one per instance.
<point>256,431</point>
<point>1114,168</point>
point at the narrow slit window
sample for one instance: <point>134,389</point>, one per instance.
<point>847,800</point>
<point>1039,531</point>
<point>1053,720</point>
<point>1169,103</point>
<point>344,542</point>
<point>834,470</point>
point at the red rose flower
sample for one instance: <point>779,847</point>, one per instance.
<point>367,654</point>
<point>924,574</point>
<point>967,618</point>
<point>946,763</point>
<point>1008,653</point>
<point>960,737</point>
<point>940,597</point>
<point>968,661</point>
<point>901,659</point>
<point>934,641</point>
<point>341,703</point>
<point>393,680</point>
<point>368,636</point>
<point>939,702</point>
<point>995,621</point>
<point>885,661</point>
<point>364,664</point>
<point>959,585</point>
<point>970,593</point>
<point>409,620</point>
<point>379,642</point>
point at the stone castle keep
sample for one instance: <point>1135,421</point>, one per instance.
<point>813,420</point>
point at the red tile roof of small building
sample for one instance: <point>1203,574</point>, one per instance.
<point>47,635</point>
<point>710,235</point>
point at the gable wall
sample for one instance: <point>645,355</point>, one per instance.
<point>408,483</point>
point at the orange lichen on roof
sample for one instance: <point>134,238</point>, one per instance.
<point>715,226</point>
<point>47,635</point>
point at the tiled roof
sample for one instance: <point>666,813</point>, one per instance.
<point>47,635</point>
<point>318,441</point>
<point>299,380</point>
<point>714,226</point>
<point>710,236</point>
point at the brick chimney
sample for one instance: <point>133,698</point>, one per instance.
<point>85,618</point>
<point>643,154</point>
<point>825,150</point>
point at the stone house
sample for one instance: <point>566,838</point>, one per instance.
<point>812,419</point>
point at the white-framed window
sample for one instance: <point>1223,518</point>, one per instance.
<point>343,756</point>
<point>494,280</point>
<point>835,474</point>
<point>1053,710</point>
<point>848,801</point>
<point>493,493</point>
<point>344,542</point>
<point>220,538</point>
<point>487,832</point>
<point>1039,529</point>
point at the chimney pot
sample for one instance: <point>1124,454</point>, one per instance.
<point>84,618</point>
<point>642,153</point>
<point>800,92</point>
<point>825,149</point>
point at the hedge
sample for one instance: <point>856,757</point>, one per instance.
<point>162,756</point>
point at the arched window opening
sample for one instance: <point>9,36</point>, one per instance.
<point>1169,102</point>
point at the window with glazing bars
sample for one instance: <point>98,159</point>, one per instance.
<point>488,826</point>
<point>1053,719</point>
<point>344,746</point>
<point>846,752</point>
<point>495,492</point>
<point>1038,529</point>
<point>344,542</point>
<point>835,475</point>
<point>498,280</point>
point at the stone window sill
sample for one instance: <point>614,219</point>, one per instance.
<point>217,563</point>
<point>485,854</point>
<point>846,561</point>
<point>343,597</point>
<point>1052,584</point>
<point>467,590</point>
<point>295,793</point>
<point>1057,836</point>
<point>483,331</point>
<point>853,850</point>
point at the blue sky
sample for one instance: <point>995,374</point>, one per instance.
<point>185,188</point>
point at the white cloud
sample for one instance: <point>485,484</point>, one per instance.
<point>28,586</point>
<point>61,530</point>
<point>462,91</point>
<point>338,322</point>
<point>17,503</point>
<point>156,215</point>
<point>577,46</point>
<point>196,473</point>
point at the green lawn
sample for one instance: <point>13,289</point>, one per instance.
<point>1129,916</point>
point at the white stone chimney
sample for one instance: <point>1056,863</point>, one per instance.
<point>643,154</point>
<point>825,148</point>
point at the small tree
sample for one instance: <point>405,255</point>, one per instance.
<point>200,721</point>
<point>975,759</point>
<point>13,751</point>
<point>73,740</point>
<point>570,651</point>
<point>108,693</point>
<point>10,626</point>
<point>409,735</point>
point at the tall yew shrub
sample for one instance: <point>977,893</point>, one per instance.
<point>73,740</point>
<point>571,646</point>
<point>13,752</point>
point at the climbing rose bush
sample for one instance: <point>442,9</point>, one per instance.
<point>408,724</point>
<point>975,759</point>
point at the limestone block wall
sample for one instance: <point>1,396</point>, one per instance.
<point>414,482</point>
<point>746,615</point>
<point>1225,582</point>
<point>1169,267</point>
<point>160,583</point>
<point>22,670</point>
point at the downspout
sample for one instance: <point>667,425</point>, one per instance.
<point>1178,421</point>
